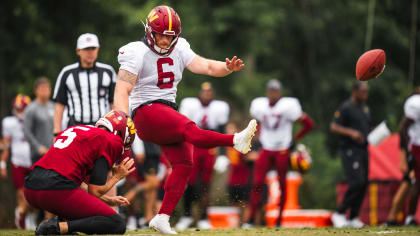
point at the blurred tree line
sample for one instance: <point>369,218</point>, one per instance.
<point>310,45</point>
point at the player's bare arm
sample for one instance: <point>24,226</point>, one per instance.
<point>58,117</point>
<point>204,66</point>
<point>125,83</point>
<point>119,172</point>
<point>352,133</point>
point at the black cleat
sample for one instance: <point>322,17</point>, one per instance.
<point>49,227</point>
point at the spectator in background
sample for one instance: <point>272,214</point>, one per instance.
<point>209,114</point>
<point>276,115</point>
<point>86,87</point>
<point>38,125</point>
<point>410,144</point>
<point>352,123</point>
<point>13,138</point>
<point>240,175</point>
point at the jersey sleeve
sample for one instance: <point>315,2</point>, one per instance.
<point>294,110</point>
<point>255,109</point>
<point>340,116</point>
<point>130,57</point>
<point>60,89</point>
<point>187,54</point>
<point>412,108</point>
<point>137,146</point>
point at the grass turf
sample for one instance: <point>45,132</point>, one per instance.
<point>400,231</point>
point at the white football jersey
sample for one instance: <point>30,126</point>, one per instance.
<point>20,149</point>
<point>157,76</point>
<point>212,116</point>
<point>412,111</point>
<point>276,121</point>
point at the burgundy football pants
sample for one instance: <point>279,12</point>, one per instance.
<point>70,204</point>
<point>265,162</point>
<point>176,135</point>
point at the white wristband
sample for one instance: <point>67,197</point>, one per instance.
<point>3,165</point>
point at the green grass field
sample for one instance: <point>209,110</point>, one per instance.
<point>265,231</point>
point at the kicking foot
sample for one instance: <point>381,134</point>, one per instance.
<point>184,223</point>
<point>242,140</point>
<point>49,227</point>
<point>161,224</point>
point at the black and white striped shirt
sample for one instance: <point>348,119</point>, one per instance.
<point>87,93</point>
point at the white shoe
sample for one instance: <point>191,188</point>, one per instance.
<point>356,223</point>
<point>161,224</point>
<point>242,140</point>
<point>204,224</point>
<point>247,226</point>
<point>339,220</point>
<point>30,221</point>
<point>409,220</point>
<point>131,223</point>
<point>184,223</point>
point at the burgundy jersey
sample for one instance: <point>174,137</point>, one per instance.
<point>75,150</point>
<point>240,172</point>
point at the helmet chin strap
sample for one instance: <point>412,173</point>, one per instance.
<point>160,50</point>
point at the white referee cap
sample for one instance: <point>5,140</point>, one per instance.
<point>87,40</point>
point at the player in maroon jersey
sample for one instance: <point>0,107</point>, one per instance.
<point>83,154</point>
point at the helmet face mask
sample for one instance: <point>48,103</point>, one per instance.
<point>162,20</point>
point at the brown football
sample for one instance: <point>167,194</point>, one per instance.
<point>370,65</point>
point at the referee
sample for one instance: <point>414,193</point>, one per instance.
<point>352,123</point>
<point>85,88</point>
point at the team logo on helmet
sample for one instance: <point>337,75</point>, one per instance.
<point>119,123</point>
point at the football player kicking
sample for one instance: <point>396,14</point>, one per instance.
<point>83,154</point>
<point>276,114</point>
<point>147,80</point>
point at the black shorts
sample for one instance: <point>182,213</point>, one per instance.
<point>239,193</point>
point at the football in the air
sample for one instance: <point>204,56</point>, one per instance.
<point>370,65</point>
